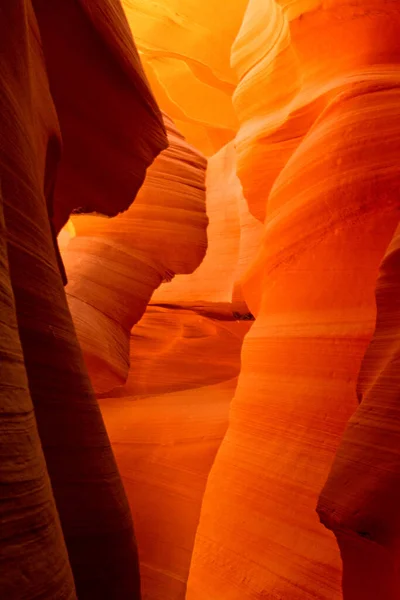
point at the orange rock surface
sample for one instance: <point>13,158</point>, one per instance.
<point>317,155</point>
<point>233,237</point>
<point>259,459</point>
<point>167,421</point>
<point>361,497</point>
<point>114,265</point>
<point>166,425</point>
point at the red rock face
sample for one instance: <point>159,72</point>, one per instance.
<point>114,265</point>
<point>111,129</point>
<point>66,530</point>
<point>259,459</point>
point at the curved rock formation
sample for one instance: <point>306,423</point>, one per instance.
<point>57,469</point>
<point>110,124</point>
<point>185,48</point>
<point>233,237</point>
<point>166,424</point>
<point>361,497</point>
<point>167,421</point>
<point>317,154</point>
<point>23,475</point>
<point>298,209</point>
<point>114,265</point>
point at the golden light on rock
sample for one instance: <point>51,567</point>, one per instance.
<point>200,300</point>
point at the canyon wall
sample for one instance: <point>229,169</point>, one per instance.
<point>66,530</point>
<point>164,390</point>
<point>114,265</point>
<point>233,320</point>
<point>360,498</point>
<point>233,239</point>
<point>301,207</point>
<point>185,49</point>
<point>318,150</point>
<point>166,424</point>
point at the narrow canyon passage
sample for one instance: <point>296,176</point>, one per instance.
<point>166,424</point>
<point>199,300</point>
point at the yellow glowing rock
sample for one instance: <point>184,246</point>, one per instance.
<point>233,239</point>
<point>65,235</point>
<point>185,48</point>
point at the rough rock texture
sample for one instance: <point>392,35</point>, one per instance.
<point>114,265</point>
<point>361,497</point>
<point>51,430</point>
<point>318,154</point>
<point>185,48</point>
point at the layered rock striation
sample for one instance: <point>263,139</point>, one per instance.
<point>185,48</point>
<point>114,265</point>
<point>360,498</point>
<point>228,434</point>
<point>66,530</point>
<point>233,238</point>
<point>317,150</point>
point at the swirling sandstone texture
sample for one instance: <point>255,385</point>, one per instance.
<point>233,239</point>
<point>227,437</point>
<point>166,424</point>
<point>167,421</point>
<point>318,154</point>
<point>114,265</point>
<point>185,48</point>
<point>65,527</point>
<point>361,497</point>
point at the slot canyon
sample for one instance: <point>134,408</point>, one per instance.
<point>199,300</point>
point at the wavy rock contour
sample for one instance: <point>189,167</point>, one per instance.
<point>317,156</point>
<point>233,236</point>
<point>66,529</point>
<point>114,265</point>
<point>360,500</point>
<point>185,49</point>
